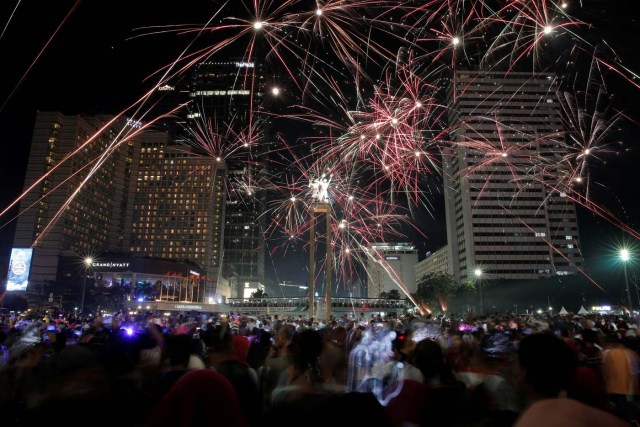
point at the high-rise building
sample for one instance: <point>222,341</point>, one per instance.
<point>143,196</point>
<point>176,206</point>
<point>506,213</point>
<point>227,97</point>
<point>391,266</point>
<point>435,263</point>
<point>61,214</point>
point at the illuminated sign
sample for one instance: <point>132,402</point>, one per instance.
<point>187,307</point>
<point>223,92</point>
<point>245,64</point>
<point>601,308</point>
<point>19,266</point>
<point>110,264</point>
<point>392,258</point>
<point>166,87</point>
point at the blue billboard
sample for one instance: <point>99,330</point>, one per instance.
<point>19,267</point>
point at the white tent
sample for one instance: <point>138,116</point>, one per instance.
<point>563,311</point>
<point>582,310</point>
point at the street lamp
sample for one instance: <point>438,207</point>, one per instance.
<point>478,274</point>
<point>625,256</point>
<point>88,261</point>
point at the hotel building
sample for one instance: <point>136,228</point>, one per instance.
<point>107,192</point>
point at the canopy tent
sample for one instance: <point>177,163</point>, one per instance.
<point>582,310</point>
<point>563,311</point>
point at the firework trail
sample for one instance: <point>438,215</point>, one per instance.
<point>589,123</point>
<point>525,28</point>
<point>24,76</point>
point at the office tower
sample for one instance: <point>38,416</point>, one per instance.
<point>61,214</point>
<point>435,263</point>
<point>391,266</point>
<point>506,213</point>
<point>227,97</point>
<point>148,197</point>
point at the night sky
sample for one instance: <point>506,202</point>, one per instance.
<point>87,57</point>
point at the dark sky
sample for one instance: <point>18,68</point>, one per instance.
<point>92,65</point>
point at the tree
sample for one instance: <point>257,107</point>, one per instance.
<point>259,294</point>
<point>392,294</point>
<point>435,289</point>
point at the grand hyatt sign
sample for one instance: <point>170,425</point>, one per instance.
<point>110,264</point>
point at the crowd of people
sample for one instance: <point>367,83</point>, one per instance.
<point>152,369</point>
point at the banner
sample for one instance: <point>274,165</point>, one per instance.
<point>19,266</point>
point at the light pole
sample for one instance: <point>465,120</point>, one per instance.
<point>478,274</point>
<point>625,256</point>
<point>87,265</point>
